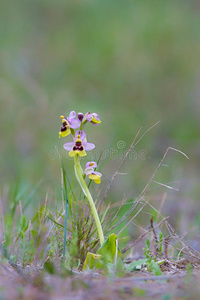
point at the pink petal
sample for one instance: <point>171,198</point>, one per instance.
<point>97,173</point>
<point>72,115</point>
<point>82,134</point>
<point>68,146</point>
<point>89,171</point>
<point>74,123</point>
<point>91,162</point>
<point>95,115</point>
<point>89,117</point>
<point>88,146</point>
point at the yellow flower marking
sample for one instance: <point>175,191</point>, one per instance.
<point>65,129</point>
<point>78,148</point>
<point>94,120</point>
<point>94,177</point>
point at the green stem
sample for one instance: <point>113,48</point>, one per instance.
<point>65,229</point>
<point>79,175</point>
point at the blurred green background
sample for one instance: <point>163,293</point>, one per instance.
<point>133,62</point>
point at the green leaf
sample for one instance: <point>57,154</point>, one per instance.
<point>136,265</point>
<point>30,197</point>
<point>154,267</point>
<point>108,254</point>
<point>34,233</point>
<point>50,216</point>
<point>108,250</point>
<point>91,261</point>
<point>148,243</point>
<point>49,267</point>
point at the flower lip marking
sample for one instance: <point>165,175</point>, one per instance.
<point>65,129</point>
<point>68,123</point>
<point>79,146</point>
<point>64,124</point>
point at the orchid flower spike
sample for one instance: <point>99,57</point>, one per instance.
<point>89,171</point>
<point>93,118</point>
<point>79,146</point>
<point>67,123</point>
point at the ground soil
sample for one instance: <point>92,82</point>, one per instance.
<point>37,285</point>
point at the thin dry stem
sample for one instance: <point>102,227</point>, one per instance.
<point>142,236</point>
<point>165,185</point>
<point>141,208</point>
<point>120,165</point>
<point>133,144</point>
<point>146,189</point>
<point>117,212</point>
<point>188,249</point>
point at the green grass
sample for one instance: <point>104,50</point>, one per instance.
<point>134,63</point>
<point>53,234</point>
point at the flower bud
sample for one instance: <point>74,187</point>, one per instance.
<point>80,116</point>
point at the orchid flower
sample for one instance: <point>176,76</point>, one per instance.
<point>77,149</point>
<point>89,171</point>
<point>67,123</point>
<point>93,118</point>
<point>79,145</point>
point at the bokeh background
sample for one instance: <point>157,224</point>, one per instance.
<point>133,62</point>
